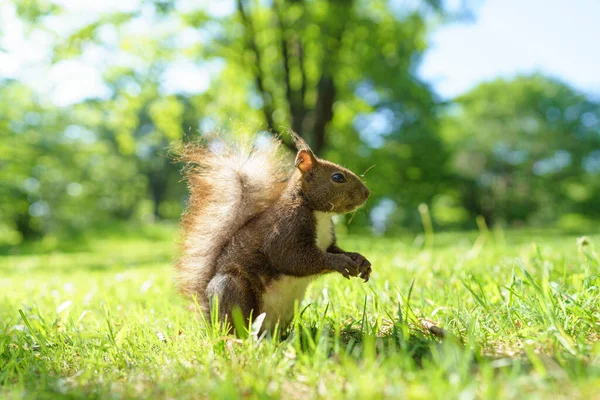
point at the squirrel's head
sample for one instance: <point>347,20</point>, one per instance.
<point>328,187</point>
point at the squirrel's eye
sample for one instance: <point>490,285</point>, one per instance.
<point>338,178</point>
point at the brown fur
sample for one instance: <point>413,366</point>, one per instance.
<point>246,227</point>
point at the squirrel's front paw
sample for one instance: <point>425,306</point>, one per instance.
<point>364,265</point>
<point>343,264</point>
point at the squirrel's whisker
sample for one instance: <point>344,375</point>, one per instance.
<point>352,216</point>
<point>368,169</point>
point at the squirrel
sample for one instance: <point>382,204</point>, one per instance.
<point>256,231</point>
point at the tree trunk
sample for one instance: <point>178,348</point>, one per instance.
<point>304,121</point>
<point>23,224</point>
<point>323,111</point>
<point>158,185</point>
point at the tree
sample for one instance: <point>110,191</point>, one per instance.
<point>340,73</point>
<point>56,176</point>
<point>305,57</point>
<point>525,150</point>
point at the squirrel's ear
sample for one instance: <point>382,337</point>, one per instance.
<point>305,161</point>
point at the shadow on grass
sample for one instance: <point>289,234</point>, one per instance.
<point>412,348</point>
<point>407,343</point>
<point>417,346</point>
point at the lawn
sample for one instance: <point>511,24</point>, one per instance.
<point>101,319</point>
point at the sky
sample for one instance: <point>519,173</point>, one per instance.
<point>557,37</point>
<point>507,37</point>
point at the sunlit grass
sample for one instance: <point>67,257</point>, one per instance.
<point>520,310</point>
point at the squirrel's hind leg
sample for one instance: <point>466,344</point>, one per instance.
<point>231,291</point>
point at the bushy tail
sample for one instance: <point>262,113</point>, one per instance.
<point>228,185</point>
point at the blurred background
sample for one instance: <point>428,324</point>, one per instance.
<point>481,110</point>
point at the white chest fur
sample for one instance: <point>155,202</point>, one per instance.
<point>323,229</point>
<point>279,297</point>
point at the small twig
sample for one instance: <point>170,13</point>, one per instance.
<point>432,328</point>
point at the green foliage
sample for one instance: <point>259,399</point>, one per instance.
<point>526,150</point>
<point>520,151</point>
<point>520,312</point>
<point>57,176</point>
<point>32,11</point>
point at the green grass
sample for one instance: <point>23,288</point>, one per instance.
<point>520,309</point>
